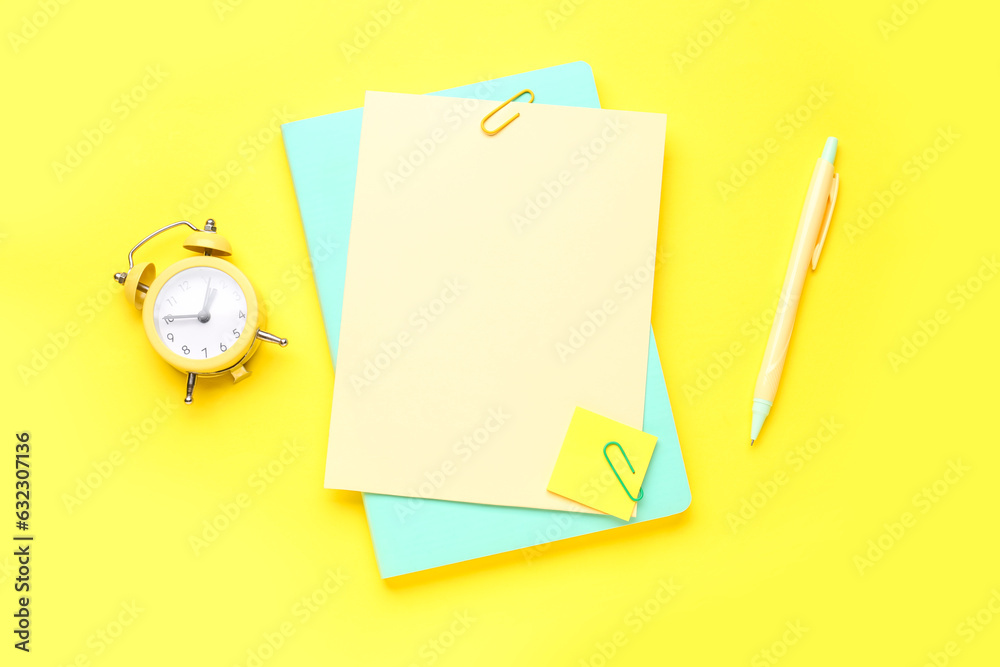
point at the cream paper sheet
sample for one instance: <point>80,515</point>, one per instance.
<point>494,284</point>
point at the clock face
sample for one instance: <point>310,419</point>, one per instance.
<point>200,313</point>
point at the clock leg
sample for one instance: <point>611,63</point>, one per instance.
<point>271,338</point>
<point>190,388</point>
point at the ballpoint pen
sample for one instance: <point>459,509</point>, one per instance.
<point>816,213</point>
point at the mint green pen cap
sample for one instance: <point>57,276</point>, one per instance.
<point>830,150</point>
<point>761,409</point>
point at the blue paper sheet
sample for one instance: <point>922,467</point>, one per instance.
<point>412,534</point>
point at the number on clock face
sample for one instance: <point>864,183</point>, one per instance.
<point>200,312</point>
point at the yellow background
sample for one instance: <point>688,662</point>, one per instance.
<point>229,76</point>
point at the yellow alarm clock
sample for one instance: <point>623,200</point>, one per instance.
<point>201,314</point>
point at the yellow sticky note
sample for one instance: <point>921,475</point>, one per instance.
<point>582,472</point>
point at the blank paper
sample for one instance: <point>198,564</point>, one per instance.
<point>493,284</point>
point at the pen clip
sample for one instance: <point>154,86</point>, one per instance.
<point>834,187</point>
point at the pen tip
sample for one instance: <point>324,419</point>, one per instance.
<point>830,149</point>
<point>751,443</point>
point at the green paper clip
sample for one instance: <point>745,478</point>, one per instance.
<point>616,472</point>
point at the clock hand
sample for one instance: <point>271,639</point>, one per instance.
<point>208,293</point>
<point>204,315</point>
<point>211,298</point>
<point>182,317</point>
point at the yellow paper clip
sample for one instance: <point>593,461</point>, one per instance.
<point>622,450</point>
<point>509,120</point>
